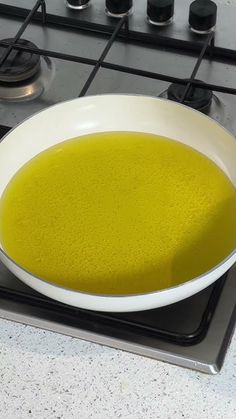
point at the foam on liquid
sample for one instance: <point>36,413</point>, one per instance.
<point>118,213</point>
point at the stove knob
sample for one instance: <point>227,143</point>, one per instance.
<point>160,12</point>
<point>202,16</point>
<point>119,8</point>
<point>77,4</point>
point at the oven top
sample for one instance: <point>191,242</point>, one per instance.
<point>52,62</point>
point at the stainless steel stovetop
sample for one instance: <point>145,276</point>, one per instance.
<point>142,59</point>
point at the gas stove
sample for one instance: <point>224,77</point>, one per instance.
<point>51,51</point>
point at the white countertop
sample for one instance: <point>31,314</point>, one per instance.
<point>50,376</point>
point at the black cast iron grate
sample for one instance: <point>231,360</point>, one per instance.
<point>167,323</point>
<point>120,30</point>
<point>159,322</point>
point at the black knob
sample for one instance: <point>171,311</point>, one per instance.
<point>77,4</point>
<point>202,16</point>
<point>160,12</point>
<point>118,8</point>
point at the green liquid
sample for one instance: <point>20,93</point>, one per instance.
<point>118,213</point>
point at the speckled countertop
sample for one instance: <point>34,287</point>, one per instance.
<point>46,375</point>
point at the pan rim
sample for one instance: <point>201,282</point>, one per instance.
<point>120,296</point>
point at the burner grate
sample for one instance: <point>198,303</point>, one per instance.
<point>120,30</point>
<point>159,323</point>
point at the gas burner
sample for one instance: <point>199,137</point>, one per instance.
<point>19,65</point>
<point>24,75</point>
<point>216,108</point>
<point>196,98</point>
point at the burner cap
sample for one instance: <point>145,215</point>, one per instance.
<point>19,65</point>
<point>197,98</point>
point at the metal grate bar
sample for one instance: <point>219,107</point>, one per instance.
<point>103,56</point>
<point>209,40</point>
<point>22,29</point>
<point>44,12</point>
<point>122,69</point>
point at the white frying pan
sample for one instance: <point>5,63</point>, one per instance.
<point>117,113</point>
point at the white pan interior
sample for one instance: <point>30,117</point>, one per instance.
<point>117,113</point>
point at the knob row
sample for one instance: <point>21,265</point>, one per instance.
<point>202,13</point>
